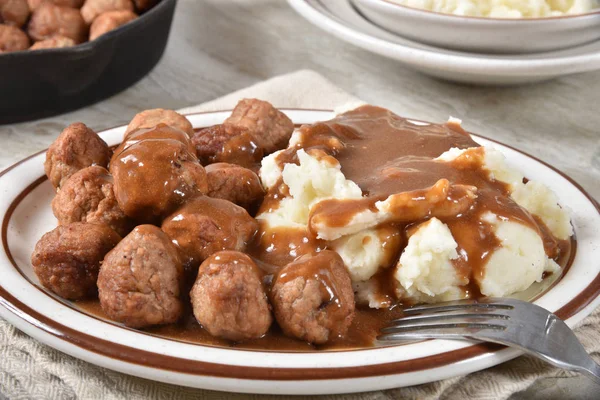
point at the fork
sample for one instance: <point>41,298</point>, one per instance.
<point>510,322</point>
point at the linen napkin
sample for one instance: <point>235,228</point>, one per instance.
<point>29,369</point>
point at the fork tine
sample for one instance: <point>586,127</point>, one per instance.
<point>460,316</point>
<point>434,331</point>
<point>468,322</point>
<point>455,306</point>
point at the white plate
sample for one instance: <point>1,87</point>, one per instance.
<point>480,34</point>
<point>342,20</point>
<point>26,213</point>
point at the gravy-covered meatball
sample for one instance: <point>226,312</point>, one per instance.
<point>227,143</point>
<point>144,5</point>
<point>67,259</point>
<point>151,118</point>
<point>14,12</point>
<point>93,8</point>
<point>140,279</point>
<point>12,39</point>
<point>75,148</point>
<point>228,298</point>
<point>270,127</point>
<point>313,298</point>
<point>33,4</point>
<point>110,20</point>
<point>55,42</point>
<point>49,20</point>
<point>88,196</point>
<point>154,176</point>
<point>204,226</point>
<point>160,131</point>
<point>234,183</point>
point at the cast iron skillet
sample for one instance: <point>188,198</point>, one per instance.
<point>35,84</point>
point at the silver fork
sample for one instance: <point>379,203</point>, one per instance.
<point>510,322</point>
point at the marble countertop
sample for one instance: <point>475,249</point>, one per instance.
<point>216,47</point>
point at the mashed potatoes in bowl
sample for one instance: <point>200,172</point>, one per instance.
<point>503,8</point>
<point>418,212</point>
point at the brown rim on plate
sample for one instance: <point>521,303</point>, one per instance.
<point>594,11</point>
<point>175,364</point>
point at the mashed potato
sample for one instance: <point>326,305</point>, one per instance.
<point>426,273</point>
<point>503,8</point>
<point>533,196</point>
<point>427,269</point>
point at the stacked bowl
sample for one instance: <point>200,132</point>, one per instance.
<point>474,41</point>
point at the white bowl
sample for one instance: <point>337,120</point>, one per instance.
<point>484,35</point>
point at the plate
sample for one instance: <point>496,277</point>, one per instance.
<point>26,215</point>
<point>342,20</point>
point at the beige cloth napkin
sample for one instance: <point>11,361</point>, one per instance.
<point>29,369</point>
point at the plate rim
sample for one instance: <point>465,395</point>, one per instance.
<point>458,63</point>
<point>14,306</point>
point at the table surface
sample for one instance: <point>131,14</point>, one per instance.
<point>217,47</point>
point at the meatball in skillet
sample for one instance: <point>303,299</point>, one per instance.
<point>14,12</point>
<point>50,20</point>
<point>254,129</point>
<point>91,9</point>
<point>144,5</point>
<point>234,183</point>
<point>55,42</point>
<point>155,176</point>
<point>160,131</point>
<point>228,298</point>
<point>151,118</point>
<point>140,279</point>
<point>313,298</point>
<point>109,21</point>
<point>33,4</point>
<point>75,148</point>
<point>204,226</point>
<point>12,39</point>
<point>87,196</point>
<point>67,259</point>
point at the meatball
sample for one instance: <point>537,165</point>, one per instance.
<point>77,147</point>
<point>234,183</point>
<point>313,298</point>
<point>14,12</point>
<point>49,20</point>
<point>228,298</point>
<point>227,143</point>
<point>67,259</point>
<point>12,39</point>
<point>33,4</point>
<point>110,20</point>
<point>160,131</point>
<point>140,280</point>
<point>151,118</point>
<point>88,196</point>
<point>270,127</point>
<point>55,42</point>
<point>204,226</point>
<point>144,5</point>
<point>93,8</point>
<point>155,176</point>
